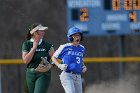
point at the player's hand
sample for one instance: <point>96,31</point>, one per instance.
<point>62,66</point>
<point>84,69</point>
<point>36,40</point>
<point>44,60</point>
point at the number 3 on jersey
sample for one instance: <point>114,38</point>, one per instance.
<point>78,60</point>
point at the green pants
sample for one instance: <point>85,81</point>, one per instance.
<point>38,82</point>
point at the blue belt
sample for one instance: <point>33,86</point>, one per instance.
<point>72,72</point>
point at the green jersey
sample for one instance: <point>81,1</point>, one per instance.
<point>41,51</point>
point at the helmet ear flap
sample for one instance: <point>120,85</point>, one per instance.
<point>81,38</point>
<point>70,38</point>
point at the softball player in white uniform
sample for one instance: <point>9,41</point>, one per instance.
<point>72,65</point>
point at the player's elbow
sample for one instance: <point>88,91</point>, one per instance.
<point>25,61</point>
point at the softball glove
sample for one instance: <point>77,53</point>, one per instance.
<point>44,65</point>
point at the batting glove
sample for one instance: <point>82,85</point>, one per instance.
<point>62,66</point>
<point>84,69</point>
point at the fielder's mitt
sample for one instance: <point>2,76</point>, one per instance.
<point>44,65</point>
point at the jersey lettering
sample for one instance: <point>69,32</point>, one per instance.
<point>75,53</point>
<point>42,49</point>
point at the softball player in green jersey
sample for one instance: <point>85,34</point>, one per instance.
<point>33,50</point>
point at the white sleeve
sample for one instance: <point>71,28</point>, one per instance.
<point>58,51</point>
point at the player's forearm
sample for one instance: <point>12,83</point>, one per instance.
<point>54,59</point>
<point>28,57</point>
<point>60,66</point>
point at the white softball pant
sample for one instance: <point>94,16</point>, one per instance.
<point>72,83</point>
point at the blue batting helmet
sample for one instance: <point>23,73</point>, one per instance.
<point>73,30</point>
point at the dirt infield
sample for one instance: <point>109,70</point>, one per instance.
<point>128,84</point>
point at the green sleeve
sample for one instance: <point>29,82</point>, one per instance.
<point>25,47</point>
